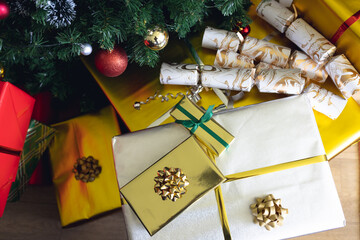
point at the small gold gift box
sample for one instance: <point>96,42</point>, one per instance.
<point>170,185</point>
<point>207,130</point>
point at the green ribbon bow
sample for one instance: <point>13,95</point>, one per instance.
<point>195,123</point>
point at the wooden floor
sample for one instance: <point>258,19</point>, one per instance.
<point>36,215</point>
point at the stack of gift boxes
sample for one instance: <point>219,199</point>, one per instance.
<point>275,167</point>
<point>246,173</point>
<point>266,172</point>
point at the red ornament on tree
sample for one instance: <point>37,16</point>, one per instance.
<point>111,63</point>
<point>243,30</point>
<point>4,10</point>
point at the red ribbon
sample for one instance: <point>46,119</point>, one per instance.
<point>351,20</point>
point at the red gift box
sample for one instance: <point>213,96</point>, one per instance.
<point>15,113</point>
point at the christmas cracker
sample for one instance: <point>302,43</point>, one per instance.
<point>284,81</point>
<point>275,14</point>
<point>285,3</point>
<point>309,68</point>
<point>261,66</point>
<point>344,75</point>
<point>179,74</point>
<point>220,39</point>
<point>239,79</point>
<point>230,59</point>
<point>325,101</point>
<point>310,41</point>
<point>264,51</point>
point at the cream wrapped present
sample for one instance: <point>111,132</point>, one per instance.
<point>268,134</point>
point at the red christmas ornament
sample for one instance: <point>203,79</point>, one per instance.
<point>243,30</point>
<point>111,63</point>
<point>4,10</point>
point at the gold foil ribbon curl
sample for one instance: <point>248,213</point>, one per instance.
<point>170,183</point>
<point>268,212</point>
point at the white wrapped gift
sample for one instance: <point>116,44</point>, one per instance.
<point>266,134</point>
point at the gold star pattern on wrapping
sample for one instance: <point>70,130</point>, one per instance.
<point>268,212</point>
<point>170,183</point>
<point>86,169</point>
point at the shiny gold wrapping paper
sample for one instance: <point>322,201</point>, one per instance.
<point>200,171</point>
<point>264,51</point>
<point>135,85</point>
<point>203,135</point>
<point>230,59</point>
<point>88,135</point>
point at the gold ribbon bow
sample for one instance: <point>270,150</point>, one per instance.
<point>268,212</point>
<point>170,183</point>
<point>86,169</point>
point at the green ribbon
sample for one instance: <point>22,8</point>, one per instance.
<point>195,123</point>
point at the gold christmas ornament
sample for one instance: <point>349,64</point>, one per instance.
<point>2,72</point>
<point>268,212</point>
<point>170,183</point>
<point>157,38</point>
<point>86,169</point>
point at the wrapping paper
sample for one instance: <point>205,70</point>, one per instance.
<point>344,75</point>
<point>38,138</point>
<point>318,209</point>
<point>230,59</point>
<point>325,101</point>
<point>220,39</point>
<point>286,81</point>
<point>276,14</point>
<point>200,171</point>
<point>16,109</point>
<point>309,68</point>
<point>263,66</point>
<point>264,51</point>
<point>310,41</point>
<point>88,135</point>
<point>179,74</point>
<point>239,79</point>
<point>209,132</point>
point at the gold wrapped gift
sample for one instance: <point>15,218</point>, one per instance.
<point>186,172</point>
<point>199,122</point>
<point>82,165</point>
